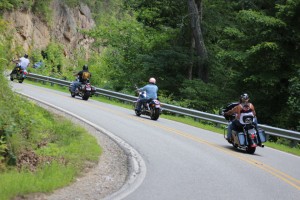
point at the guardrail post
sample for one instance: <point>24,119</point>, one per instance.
<point>293,143</point>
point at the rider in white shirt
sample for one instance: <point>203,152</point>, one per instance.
<point>23,63</point>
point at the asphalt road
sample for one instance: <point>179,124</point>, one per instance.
<point>183,162</point>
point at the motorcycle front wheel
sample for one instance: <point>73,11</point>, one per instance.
<point>86,96</point>
<point>21,80</point>
<point>137,113</point>
<point>250,150</point>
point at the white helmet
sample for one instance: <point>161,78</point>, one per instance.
<point>152,80</point>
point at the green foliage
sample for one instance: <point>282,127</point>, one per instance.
<point>294,101</point>
<point>126,41</point>
<point>16,4</point>
<point>74,3</point>
<point>54,62</point>
<point>201,96</point>
<point>157,14</point>
<point>42,9</point>
<point>259,19</point>
<point>6,5</point>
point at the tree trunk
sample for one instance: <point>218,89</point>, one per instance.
<point>190,70</point>
<point>194,7</point>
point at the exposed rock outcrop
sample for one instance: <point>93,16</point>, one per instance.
<point>31,32</point>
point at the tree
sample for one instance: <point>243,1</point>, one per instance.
<point>195,12</point>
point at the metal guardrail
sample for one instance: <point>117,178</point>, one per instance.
<point>292,135</point>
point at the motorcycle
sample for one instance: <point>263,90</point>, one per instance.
<point>85,91</point>
<point>247,137</point>
<point>150,108</point>
<point>18,74</point>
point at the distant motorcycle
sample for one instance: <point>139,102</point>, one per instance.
<point>151,108</point>
<point>247,137</point>
<point>85,91</point>
<point>18,74</point>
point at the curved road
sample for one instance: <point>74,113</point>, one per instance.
<point>184,162</point>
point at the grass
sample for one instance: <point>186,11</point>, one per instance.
<point>69,149</point>
<point>183,119</point>
<point>14,183</point>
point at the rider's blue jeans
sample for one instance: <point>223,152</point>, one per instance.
<point>75,85</point>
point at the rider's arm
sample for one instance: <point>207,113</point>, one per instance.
<point>142,89</point>
<point>234,110</point>
<point>77,74</point>
<point>16,60</point>
<point>253,109</point>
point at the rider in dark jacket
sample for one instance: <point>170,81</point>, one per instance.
<point>83,76</point>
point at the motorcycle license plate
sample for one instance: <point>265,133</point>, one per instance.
<point>252,131</point>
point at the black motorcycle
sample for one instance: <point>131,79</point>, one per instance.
<point>247,137</point>
<point>19,74</point>
<point>150,108</point>
<point>85,90</point>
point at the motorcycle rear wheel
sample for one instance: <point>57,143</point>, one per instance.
<point>154,113</point>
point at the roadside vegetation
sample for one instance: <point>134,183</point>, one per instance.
<point>39,151</point>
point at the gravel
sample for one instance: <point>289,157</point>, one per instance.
<point>97,181</point>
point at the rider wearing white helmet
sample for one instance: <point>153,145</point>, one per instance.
<point>151,92</point>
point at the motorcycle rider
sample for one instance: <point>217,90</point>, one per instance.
<point>82,77</point>
<point>151,93</point>
<point>22,63</point>
<point>242,109</point>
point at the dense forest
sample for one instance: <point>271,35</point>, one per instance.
<point>203,53</point>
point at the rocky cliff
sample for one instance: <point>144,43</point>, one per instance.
<point>30,32</point>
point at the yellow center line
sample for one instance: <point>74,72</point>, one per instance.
<point>277,173</point>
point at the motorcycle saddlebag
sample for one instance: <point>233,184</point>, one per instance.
<point>262,135</point>
<point>241,137</point>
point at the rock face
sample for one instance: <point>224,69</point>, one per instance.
<point>31,33</point>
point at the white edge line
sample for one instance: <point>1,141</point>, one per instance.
<point>136,167</point>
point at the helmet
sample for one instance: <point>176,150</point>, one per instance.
<point>25,56</point>
<point>85,67</point>
<point>244,97</point>
<point>152,80</point>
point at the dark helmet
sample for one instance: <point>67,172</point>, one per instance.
<point>25,56</point>
<point>244,97</point>
<point>85,67</point>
